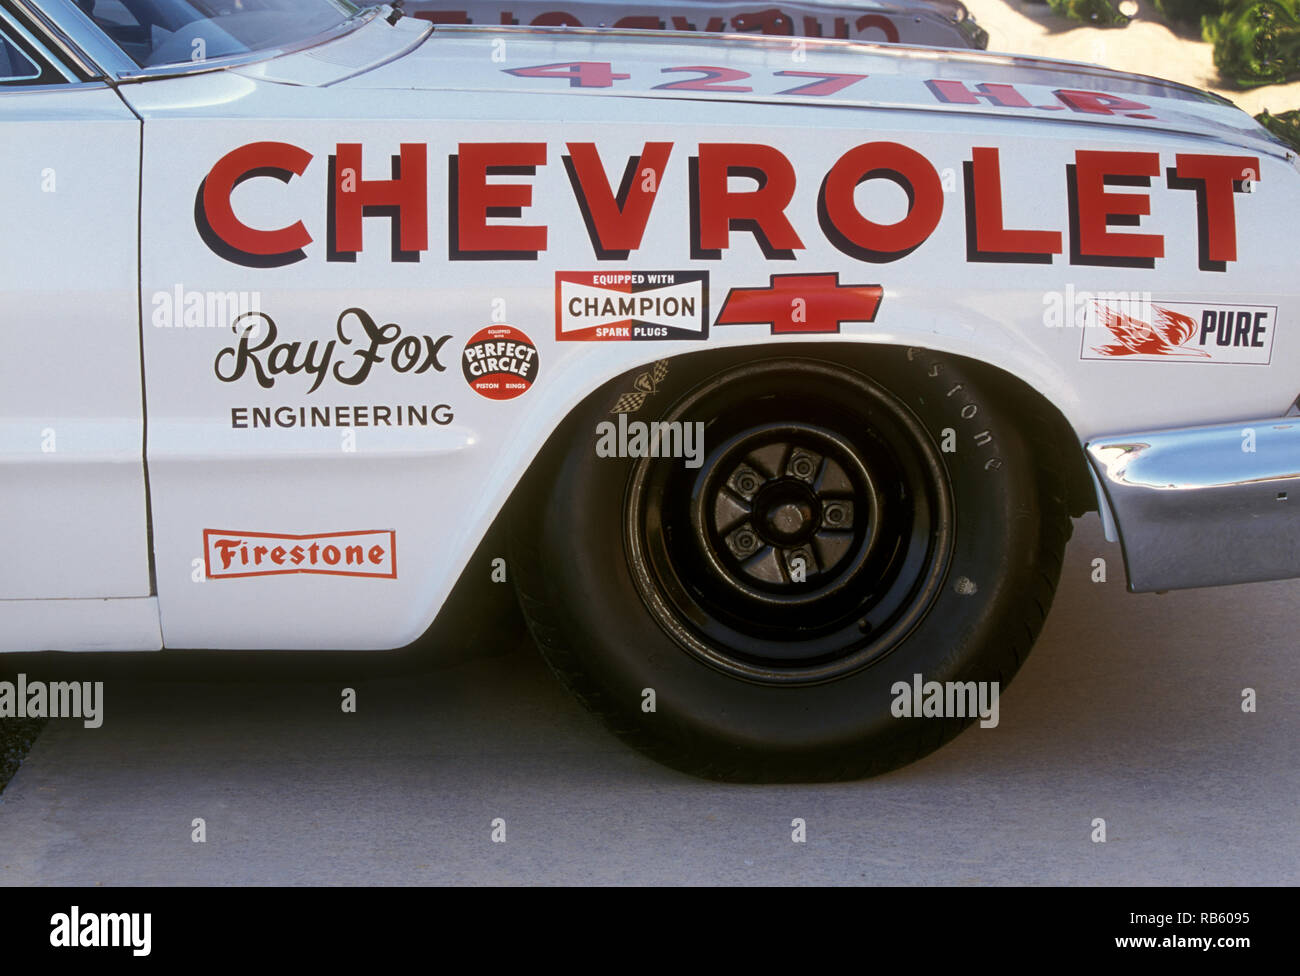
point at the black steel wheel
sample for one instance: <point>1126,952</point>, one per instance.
<point>746,609</point>
<point>814,534</point>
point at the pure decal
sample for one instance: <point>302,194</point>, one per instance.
<point>500,362</point>
<point>1159,331</point>
<point>631,305</point>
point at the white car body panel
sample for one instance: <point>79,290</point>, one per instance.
<point>72,490</point>
<point>437,487</point>
<point>80,625</point>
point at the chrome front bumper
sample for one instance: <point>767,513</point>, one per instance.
<point>1205,506</point>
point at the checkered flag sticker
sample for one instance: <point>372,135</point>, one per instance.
<point>646,384</point>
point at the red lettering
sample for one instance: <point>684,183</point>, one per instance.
<point>829,85</point>
<point>1215,179</point>
<point>1094,209</point>
<point>956,93</point>
<point>616,224</point>
<point>639,23</point>
<point>882,24</point>
<point>278,159</point>
<point>760,211</point>
<point>556,18</point>
<point>1097,103</point>
<point>405,196</point>
<point>770,21</point>
<point>476,200</point>
<point>859,237</point>
<point>579,74</point>
<point>226,549</point>
<point>710,82</point>
<point>993,241</point>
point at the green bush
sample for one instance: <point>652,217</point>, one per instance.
<point>1286,126</point>
<point>1096,12</point>
<point>1256,42</point>
<point>1190,11</point>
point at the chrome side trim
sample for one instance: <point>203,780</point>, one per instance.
<point>1205,506</point>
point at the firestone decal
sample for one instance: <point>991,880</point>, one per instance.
<point>1180,331</point>
<point>500,362</point>
<point>631,305</point>
<point>236,555</point>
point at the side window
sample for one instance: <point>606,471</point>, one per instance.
<point>14,65</point>
<point>21,63</point>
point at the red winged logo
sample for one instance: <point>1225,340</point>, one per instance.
<point>1137,338</point>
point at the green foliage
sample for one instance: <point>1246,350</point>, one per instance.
<point>1096,12</point>
<point>1256,42</point>
<point>1286,126</point>
<point>1190,11</point>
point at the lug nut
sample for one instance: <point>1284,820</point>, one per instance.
<point>742,542</point>
<point>745,481</point>
<point>837,514</point>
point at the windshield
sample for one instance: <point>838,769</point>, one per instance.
<point>162,32</point>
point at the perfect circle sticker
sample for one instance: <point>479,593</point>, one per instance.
<point>500,362</point>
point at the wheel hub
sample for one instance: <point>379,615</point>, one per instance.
<point>785,512</point>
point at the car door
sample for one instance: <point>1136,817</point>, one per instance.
<point>73,508</point>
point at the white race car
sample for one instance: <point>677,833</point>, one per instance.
<point>787,360</point>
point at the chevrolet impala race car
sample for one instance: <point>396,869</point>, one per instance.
<point>786,365</point>
<point>934,23</point>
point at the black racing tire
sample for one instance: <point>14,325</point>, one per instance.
<point>859,516</point>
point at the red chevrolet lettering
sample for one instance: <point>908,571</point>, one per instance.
<point>616,222</point>
<point>406,194</point>
<point>477,199</point>
<point>1215,178</point>
<point>277,159</point>
<point>760,211</point>
<point>993,239</point>
<point>857,235</point>
<point>1096,205</point>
